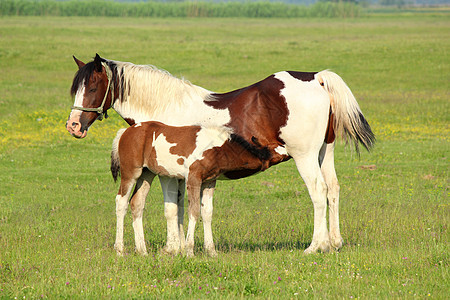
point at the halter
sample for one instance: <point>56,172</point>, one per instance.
<point>99,109</point>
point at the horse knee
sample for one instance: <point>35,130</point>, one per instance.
<point>194,200</point>
<point>206,213</point>
<point>121,204</point>
<point>170,210</point>
<point>333,191</point>
<point>321,188</point>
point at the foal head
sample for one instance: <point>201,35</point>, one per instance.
<point>93,90</point>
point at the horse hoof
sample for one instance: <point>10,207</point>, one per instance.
<point>142,252</point>
<point>170,251</point>
<point>337,243</point>
<point>119,250</point>
<point>324,247</point>
<point>212,253</point>
<point>310,250</point>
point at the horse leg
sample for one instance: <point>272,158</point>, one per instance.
<point>137,204</point>
<point>169,187</point>
<point>121,209</point>
<point>180,204</point>
<point>329,174</point>
<point>207,212</point>
<point>194,192</point>
<point>308,167</point>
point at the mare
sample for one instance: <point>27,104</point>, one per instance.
<point>297,114</point>
<point>198,155</point>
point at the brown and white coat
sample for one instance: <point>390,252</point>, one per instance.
<point>295,114</point>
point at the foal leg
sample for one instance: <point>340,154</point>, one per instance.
<point>121,210</point>
<point>329,174</point>
<point>308,167</point>
<point>170,191</point>
<point>194,192</point>
<point>137,204</point>
<point>206,212</point>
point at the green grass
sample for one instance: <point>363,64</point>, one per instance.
<point>57,211</point>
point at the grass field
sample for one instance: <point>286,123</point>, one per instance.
<point>57,211</point>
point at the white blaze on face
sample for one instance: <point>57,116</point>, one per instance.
<point>79,96</point>
<point>207,138</point>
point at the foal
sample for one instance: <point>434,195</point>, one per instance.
<point>200,155</point>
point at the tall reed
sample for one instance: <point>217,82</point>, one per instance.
<point>192,9</point>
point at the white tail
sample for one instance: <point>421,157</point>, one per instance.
<point>349,120</point>
<point>115,162</point>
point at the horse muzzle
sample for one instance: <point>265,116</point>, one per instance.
<point>75,129</point>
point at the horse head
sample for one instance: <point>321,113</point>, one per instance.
<point>93,90</point>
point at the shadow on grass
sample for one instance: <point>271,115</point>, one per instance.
<point>227,247</point>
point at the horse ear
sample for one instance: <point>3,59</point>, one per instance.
<point>98,63</point>
<point>79,63</point>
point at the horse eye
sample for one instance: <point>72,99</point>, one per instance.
<point>92,90</point>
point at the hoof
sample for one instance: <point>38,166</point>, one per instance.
<point>211,253</point>
<point>119,250</point>
<point>142,252</point>
<point>336,242</point>
<point>170,251</point>
<point>323,247</point>
<point>190,253</point>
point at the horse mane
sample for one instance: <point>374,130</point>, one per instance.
<point>81,76</point>
<point>143,88</point>
<point>151,90</point>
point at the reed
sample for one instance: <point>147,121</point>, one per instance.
<point>190,9</point>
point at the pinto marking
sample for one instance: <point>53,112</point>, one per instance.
<point>290,114</point>
<point>298,94</point>
<point>205,139</point>
<point>216,152</point>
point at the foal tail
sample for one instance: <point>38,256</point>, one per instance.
<point>115,161</point>
<point>349,121</point>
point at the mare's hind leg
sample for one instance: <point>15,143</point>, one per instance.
<point>308,167</point>
<point>329,174</point>
<point>137,204</point>
<point>207,212</point>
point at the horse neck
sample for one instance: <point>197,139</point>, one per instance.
<point>147,93</point>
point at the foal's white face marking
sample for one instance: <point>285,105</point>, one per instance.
<point>207,138</point>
